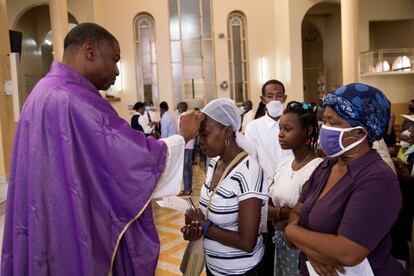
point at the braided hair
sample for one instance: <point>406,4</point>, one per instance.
<point>307,114</point>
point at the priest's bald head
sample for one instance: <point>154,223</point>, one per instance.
<point>93,52</point>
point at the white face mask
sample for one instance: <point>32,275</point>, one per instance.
<point>404,144</point>
<point>274,108</point>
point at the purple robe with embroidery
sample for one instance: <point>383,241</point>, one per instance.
<point>80,185</point>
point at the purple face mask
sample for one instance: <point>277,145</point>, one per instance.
<point>330,140</point>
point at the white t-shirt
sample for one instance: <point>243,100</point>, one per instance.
<point>263,135</point>
<point>247,118</point>
<point>243,182</point>
<point>287,184</point>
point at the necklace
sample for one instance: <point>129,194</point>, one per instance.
<point>300,165</point>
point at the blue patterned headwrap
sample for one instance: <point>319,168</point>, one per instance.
<point>361,105</point>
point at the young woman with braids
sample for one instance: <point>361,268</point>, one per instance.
<point>298,132</point>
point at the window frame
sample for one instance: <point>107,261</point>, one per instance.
<point>139,67</point>
<point>176,63</point>
<point>242,22</point>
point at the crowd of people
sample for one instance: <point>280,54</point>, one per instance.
<point>332,200</point>
<point>289,144</point>
<point>293,189</point>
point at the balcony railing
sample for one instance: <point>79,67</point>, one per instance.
<point>387,62</point>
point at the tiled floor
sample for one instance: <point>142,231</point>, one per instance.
<point>168,224</point>
<point>3,190</point>
<point>2,209</point>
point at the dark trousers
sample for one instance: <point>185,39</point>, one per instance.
<point>258,270</point>
<point>188,170</point>
<point>269,255</point>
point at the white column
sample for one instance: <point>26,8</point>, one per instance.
<point>97,11</point>
<point>288,45</point>
<point>350,40</point>
<point>7,124</point>
<point>4,75</point>
<point>59,22</point>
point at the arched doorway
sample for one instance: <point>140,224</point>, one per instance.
<point>36,55</point>
<point>47,46</point>
<point>321,51</point>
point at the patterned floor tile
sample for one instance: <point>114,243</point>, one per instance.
<point>169,223</point>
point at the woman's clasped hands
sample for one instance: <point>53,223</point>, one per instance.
<point>194,220</point>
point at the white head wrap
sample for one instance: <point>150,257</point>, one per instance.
<point>226,113</point>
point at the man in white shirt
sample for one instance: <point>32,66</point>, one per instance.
<point>147,119</point>
<point>167,124</point>
<point>263,134</point>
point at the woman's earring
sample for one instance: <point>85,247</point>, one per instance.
<point>308,141</point>
<point>227,143</point>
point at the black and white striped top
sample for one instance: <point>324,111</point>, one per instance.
<point>243,182</point>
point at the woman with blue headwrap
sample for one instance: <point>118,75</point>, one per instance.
<point>349,204</point>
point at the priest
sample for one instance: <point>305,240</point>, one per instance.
<point>81,178</point>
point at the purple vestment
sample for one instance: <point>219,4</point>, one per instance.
<point>80,183</point>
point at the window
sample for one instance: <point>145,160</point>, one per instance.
<point>192,53</point>
<point>145,56</point>
<point>238,57</point>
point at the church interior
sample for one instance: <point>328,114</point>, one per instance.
<point>200,50</point>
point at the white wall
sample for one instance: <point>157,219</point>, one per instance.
<point>82,10</point>
<point>7,124</point>
<point>391,34</point>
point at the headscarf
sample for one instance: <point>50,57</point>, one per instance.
<point>361,105</point>
<point>225,112</point>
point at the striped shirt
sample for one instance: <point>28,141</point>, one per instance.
<point>243,182</point>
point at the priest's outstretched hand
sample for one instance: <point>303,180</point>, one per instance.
<point>190,123</point>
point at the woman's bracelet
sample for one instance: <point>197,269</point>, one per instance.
<point>205,227</point>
